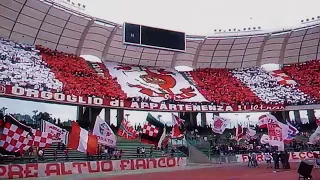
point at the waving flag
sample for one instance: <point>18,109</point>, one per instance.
<point>59,134</point>
<point>292,132</point>
<point>15,135</point>
<point>104,133</point>
<point>153,131</point>
<point>81,140</point>
<point>177,128</point>
<point>277,132</point>
<point>219,124</point>
<point>315,137</point>
<point>264,139</point>
<point>263,121</point>
<point>127,131</point>
<point>250,133</point>
<point>42,139</point>
<point>239,133</point>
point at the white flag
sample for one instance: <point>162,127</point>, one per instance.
<point>104,133</point>
<point>219,124</point>
<point>277,132</point>
<point>264,139</point>
<point>59,134</point>
<point>251,132</point>
<point>315,137</point>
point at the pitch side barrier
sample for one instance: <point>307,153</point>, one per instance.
<point>35,170</point>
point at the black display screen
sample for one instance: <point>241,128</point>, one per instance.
<point>162,38</point>
<point>132,33</point>
<point>154,37</point>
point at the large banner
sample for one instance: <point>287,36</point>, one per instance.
<point>35,95</point>
<point>293,156</point>
<point>104,133</point>
<point>35,170</point>
<point>157,84</point>
<point>59,134</point>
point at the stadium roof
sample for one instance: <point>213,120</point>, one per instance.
<point>56,27</point>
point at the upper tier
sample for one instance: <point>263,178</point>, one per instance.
<point>39,73</point>
<point>55,27</point>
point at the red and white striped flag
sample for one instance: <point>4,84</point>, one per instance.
<point>81,140</point>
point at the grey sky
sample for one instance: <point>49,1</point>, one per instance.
<point>201,17</point>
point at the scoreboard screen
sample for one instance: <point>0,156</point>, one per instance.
<point>139,35</point>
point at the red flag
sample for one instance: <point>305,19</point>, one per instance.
<point>15,136</point>
<point>42,139</point>
<point>239,133</point>
<point>127,131</point>
<point>177,129</point>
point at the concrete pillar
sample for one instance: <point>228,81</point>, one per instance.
<point>311,116</point>
<point>285,115</point>
<point>193,118</point>
<point>120,116</point>
<point>91,120</point>
<point>79,112</point>
<point>297,117</point>
<point>203,119</point>
<point>107,115</point>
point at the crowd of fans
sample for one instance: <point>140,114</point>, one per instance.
<point>268,89</point>
<point>307,75</point>
<point>49,70</point>
<point>78,78</point>
<point>21,65</point>
<point>220,87</point>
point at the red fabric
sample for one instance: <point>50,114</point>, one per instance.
<point>78,141</point>
<point>42,139</point>
<point>220,87</point>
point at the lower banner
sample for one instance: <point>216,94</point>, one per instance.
<point>293,156</point>
<point>34,170</point>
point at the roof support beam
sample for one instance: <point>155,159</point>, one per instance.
<point>107,45</point>
<point>196,56</point>
<point>83,37</point>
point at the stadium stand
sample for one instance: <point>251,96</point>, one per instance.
<point>219,86</point>
<point>43,69</point>
<point>21,65</point>
<point>78,78</point>
<point>307,76</point>
<point>267,88</point>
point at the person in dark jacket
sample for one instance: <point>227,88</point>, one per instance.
<point>286,156</point>
<point>276,159</point>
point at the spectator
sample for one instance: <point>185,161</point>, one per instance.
<point>66,153</point>
<point>120,154</point>
<point>41,154</point>
<point>143,152</point>
<point>151,151</point>
<point>30,151</point>
<point>138,151</point>
<point>55,154</point>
